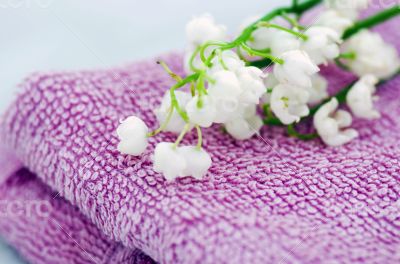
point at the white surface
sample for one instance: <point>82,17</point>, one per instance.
<point>42,35</point>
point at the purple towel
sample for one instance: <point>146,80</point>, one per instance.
<point>46,229</point>
<point>271,199</point>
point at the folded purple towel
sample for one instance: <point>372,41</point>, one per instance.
<point>46,229</point>
<point>272,199</point>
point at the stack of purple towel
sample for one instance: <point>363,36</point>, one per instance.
<point>273,199</point>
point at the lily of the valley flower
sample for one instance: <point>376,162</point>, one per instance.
<point>132,133</point>
<point>225,84</point>
<point>198,161</point>
<point>168,161</point>
<point>334,20</point>
<point>202,29</point>
<point>246,125</point>
<point>198,31</point>
<point>227,60</point>
<point>260,39</point>
<point>322,44</point>
<point>319,89</point>
<point>225,92</point>
<point>242,129</point>
<point>202,110</point>
<point>233,91</point>
<point>372,55</point>
<point>289,103</point>
<point>330,124</point>
<point>348,8</point>
<point>175,162</point>
<point>251,84</point>
<point>228,108</point>
<point>276,40</point>
<point>282,42</point>
<point>176,123</point>
<point>296,70</point>
<point>361,98</point>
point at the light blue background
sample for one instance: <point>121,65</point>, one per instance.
<point>42,35</point>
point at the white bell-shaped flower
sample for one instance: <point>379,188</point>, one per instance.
<point>176,123</point>
<point>289,103</point>
<point>251,84</point>
<point>228,108</point>
<point>334,20</point>
<point>322,44</point>
<point>225,84</point>
<point>242,129</point>
<point>198,161</point>
<point>198,31</point>
<point>348,8</point>
<point>228,60</point>
<point>225,92</point>
<point>202,29</point>
<point>132,133</point>
<point>319,89</point>
<point>260,38</point>
<point>276,40</point>
<point>360,98</point>
<point>201,110</point>
<point>269,82</point>
<point>330,124</point>
<point>282,42</point>
<point>169,161</point>
<point>372,55</point>
<point>246,125</point>
<point>296,70</point>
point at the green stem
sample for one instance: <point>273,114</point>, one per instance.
<point>192,58</point>
<point>342,65</point>
<point>175,104</point>
<point>193,89</point>
<point>260,63</point>
<point>267,111</point>
<point>295,3</point>
<point>221,60</point>
<point>253,52</point>
<point>348,56</point>
<point>164,125</point>
<point>305,6</point>
<point>293,22</point>
<point>200,137</point>
<point>182,135</point>
<point>297,34</point>
<point>174,100</point>
<point>205,46</point>
<point>201,85</point>
<point>372,21</point>
<point>174,76</point>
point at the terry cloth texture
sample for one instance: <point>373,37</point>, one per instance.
<point>46,229</point>
<point>271,199</point>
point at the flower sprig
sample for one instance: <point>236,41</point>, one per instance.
<point>230,79</point>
